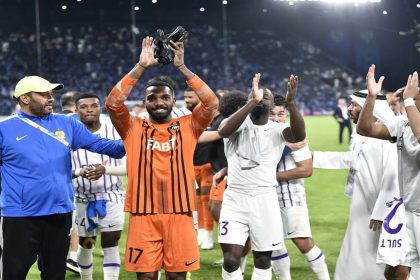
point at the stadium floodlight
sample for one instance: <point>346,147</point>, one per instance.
<point>154,1</point>
<point>334,1</point>
<point>136,8</point>
<point>224,2</point>
<point>418,5</point>
<point>384,12</point>
<point>202,9</point>
<point>64,7</point>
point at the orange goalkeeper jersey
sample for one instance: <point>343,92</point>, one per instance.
<point>160,168</point>
<point>159,157</point>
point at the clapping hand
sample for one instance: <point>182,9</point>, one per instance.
<point>374,88</point>
<point>291,89</point>
<point>178,49</point>
<point>412,87</point>
<point>257,93</point>
<point>147,55</point>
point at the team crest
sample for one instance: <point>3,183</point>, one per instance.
<point>174,126</point>
<point>60,134</point>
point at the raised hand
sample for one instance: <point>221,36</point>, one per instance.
<point>412,87</point>
<point>292,88</point>
<point>374,88</point>
<point>178,49</point>
<point>257,93</point>
<point>147,56</point>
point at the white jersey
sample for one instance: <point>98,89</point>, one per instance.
<point>271,145</point>
<point>372,181</point>
<point>106,187</point>
<point>292,192</point>
<point>408,162</point>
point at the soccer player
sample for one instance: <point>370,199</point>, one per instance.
<point>371,182</point>
<point>253,146</point>
<point>405,131</point>
<point>294,165</point>
<point>37,191</point>
<point>161,184</point>
<point>97,189</point>
<point>204,178</point>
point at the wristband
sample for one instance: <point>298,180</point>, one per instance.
<point>195,83</point>
<point>180,66</point>
<point>409,102</point>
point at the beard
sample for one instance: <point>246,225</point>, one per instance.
<point>259,111</point>
<point>191,106</point>
<point>159,117</point>
<point>39,110</point>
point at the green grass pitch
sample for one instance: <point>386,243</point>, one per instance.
<point>328,210</point>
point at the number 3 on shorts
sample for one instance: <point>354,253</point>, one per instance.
<point>223,230</point>
<point>135,254</point>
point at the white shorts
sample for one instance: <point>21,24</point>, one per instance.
<point>412,258</point>
<point>253,214</point>
<point>113,221</point>
<point>296,222</point>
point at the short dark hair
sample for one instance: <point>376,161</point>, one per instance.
<point>161,81</point>
<point>231,102</point>
<point>86,95</point>
<point>68,98</point>
<point>279,100</point>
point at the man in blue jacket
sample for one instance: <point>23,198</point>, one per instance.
<point>37,192</point>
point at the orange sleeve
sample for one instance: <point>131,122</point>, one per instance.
<point>118,112</point>
<point>204,112</point>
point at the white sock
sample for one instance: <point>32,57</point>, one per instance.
<point>243,264</point>
<point>316,261</point>
<point>85,260</point>
<point>280,262</point>
<point>111,263</point>
<point>200,236</point>
<point>261,274</point>
<point>195,219</point>
<point>73,256</point>
<point>235,275</point>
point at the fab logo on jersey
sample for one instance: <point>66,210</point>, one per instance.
<point>160,146</point>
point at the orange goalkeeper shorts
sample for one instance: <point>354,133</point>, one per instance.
<point>156,241</point>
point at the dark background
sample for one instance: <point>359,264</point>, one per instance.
<point>352,36</point>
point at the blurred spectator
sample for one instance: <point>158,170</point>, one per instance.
<point>67,102</point>
<point>137,109</point>
<point>342,117</point>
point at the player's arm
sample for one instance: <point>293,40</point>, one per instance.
<point>83,138</point>
<point>209,136</point>
<point>205,111</point>
<point>411,91</point>
<point>231,124</point>
<point>303,169</point>
<point>332,160</point>
<point>365,124</point>
<point>118,112</point>
<point>219,176</point>
<point>296,131</point>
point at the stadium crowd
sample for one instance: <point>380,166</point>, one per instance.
<point>88,58</point>
<point>253,188</point>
